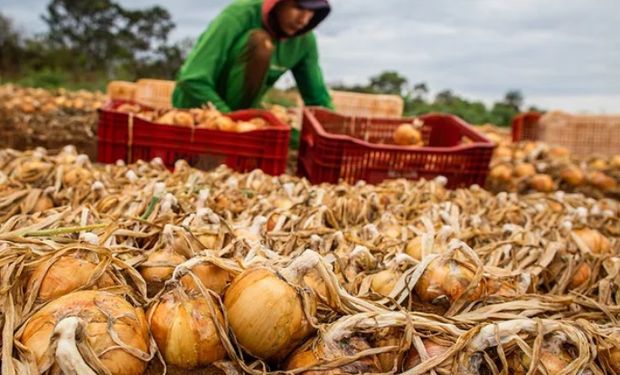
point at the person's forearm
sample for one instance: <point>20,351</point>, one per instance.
<point>196,94</point>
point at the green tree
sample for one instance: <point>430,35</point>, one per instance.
<point>420,90</point>
<point>10,45</point>
<point>388,82</point>
<point>103,33</point>
<point>514,98</point>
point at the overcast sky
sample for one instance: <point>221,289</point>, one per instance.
<point>560,53</point>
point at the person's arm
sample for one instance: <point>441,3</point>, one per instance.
<point>309,78</point>
<point>198,77</point>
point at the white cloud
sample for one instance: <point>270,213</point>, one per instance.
<point>560,53</point>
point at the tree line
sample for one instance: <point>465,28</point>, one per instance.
<point>418,101</point>
<point>88,43</point>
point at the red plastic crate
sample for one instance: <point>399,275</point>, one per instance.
<point>525,127</point>
<point>334,147</point>
<point>266,149</point>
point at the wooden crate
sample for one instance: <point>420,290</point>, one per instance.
<point>367,105</point>
<point>583,135</point>
<point>154,93</point>
<point>121,90</point>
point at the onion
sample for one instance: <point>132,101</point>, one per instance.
<point>602,181</point>
<point>580,276</point>
<point>542,183</point>
<point>448,278</point>
<point>31,170</point>
<point>309,357</point>
<point>598,164</point>
<point>175,117</point>
<point>266,313</point>
<point>593,239</point>
<point>63,275</point>
<point>413,358</point>
<point>615,161</point>
<point>160,263</point>
<point>76,175</point>
<point>572,175</point>
<point>245,126</point>
<point>183,327</point>
<point>501,173</point>
<point>225,123</point>
<point>414,248</point>
<point>44,202</point>
<point>525,170</point>
<point>614,352</point>
<point>553,363</point>
<point>383,282</point>
<point>211,276</point>
<point>407,135</point>
<point>502,152</point>
<point>559,152</point>
<point>102,323</point>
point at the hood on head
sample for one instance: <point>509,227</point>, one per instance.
<point>269,19</point>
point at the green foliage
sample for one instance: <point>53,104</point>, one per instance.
<point>445,101</point>
<point>89,43</point>
<point>103,33</point>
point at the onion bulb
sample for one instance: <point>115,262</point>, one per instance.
<point>413,358</point>
<point>614,352</point>
<point>542,183</point>
<point>246,126</point>
<point>559,152</point>
<point>447,278</point>
<point>211,276</point>
<point>407,135</point>
<point>266,313</point>
<point>598,164</point>
<point>572,175</point>
<point>63,275</point>
<point>111,328</point>
<point>160,263</point>
<point>309,357</point>
<point>525,170</point>
<point>501,173</point>
<point>175,117</point>
<point>593,239</point>
<point>184,330</point>
<point>502,152</point>
<point>553,363</point>
<point>44,202</point>
<point>383,282</point>
<point>414,248</point>
<point>225,123</point>
<point>580,276</point>
<point>32,170</point>
<point>602,181</point>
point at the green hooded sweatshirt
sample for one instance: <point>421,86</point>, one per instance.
<point>211,72</point>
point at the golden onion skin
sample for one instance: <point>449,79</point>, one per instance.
<point>407,135</point>
<point>65,275</point>
<point>266,314</point>
<point>130,326</point>
<point>211,276</point>
<point>308,357</point>
<point>184,330</point>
